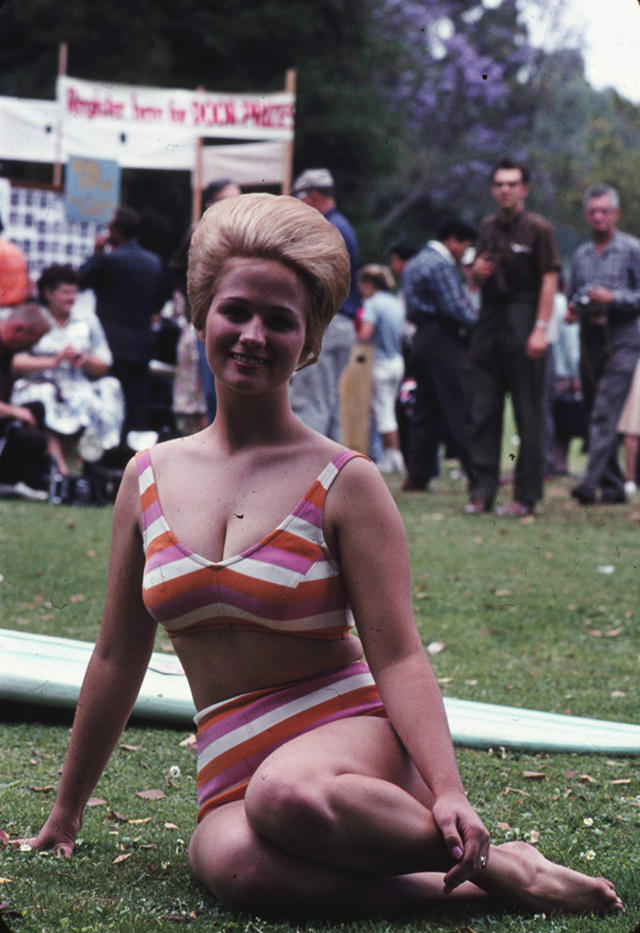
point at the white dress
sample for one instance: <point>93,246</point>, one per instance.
<point>72,401</point>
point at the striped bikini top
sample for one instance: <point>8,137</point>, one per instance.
<point>287,583</point>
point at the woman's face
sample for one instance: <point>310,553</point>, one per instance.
<point>255,329</point>
<point>366,289</point>
<point>60,300</point>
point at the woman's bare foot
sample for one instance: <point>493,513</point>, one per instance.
<point>521,874</point>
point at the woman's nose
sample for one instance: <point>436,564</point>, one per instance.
<point>253,331</point>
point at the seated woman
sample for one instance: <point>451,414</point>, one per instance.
<point>326,787</point>
<point>67,370</point>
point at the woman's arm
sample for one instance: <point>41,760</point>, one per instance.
<point>23,364</point>
<point>93,367</point>
<point>113,678</point>
<point>370,544</point>
<point>365,331</point>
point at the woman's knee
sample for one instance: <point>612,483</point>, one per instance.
<point>286,800</point>
<point>223,858</point>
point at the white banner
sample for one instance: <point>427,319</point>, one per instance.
<point>28,129</point>
<point>176,113</point>
<point>246,164</point>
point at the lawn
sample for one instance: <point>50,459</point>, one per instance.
<point>527,617</point>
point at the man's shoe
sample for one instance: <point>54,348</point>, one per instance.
<point>413,485</point>
<point>476,507</point>
<point>611,497</point>
<point>27,492</point>
<point>516,510</point>
<point>583,495</point>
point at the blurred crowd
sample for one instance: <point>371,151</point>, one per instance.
<point>415,368</point>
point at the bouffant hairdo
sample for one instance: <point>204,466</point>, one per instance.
<point>280,228</point>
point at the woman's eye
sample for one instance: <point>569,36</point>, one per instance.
<point>234,312</point>
<point>281,322</point>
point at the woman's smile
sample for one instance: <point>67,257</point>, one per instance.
<point>257,323</point>
<point>247,360</point>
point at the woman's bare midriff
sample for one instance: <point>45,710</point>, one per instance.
<point>224,664</point>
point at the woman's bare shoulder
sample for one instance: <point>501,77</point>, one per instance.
<point>359,491</point>
<point>176,453</point>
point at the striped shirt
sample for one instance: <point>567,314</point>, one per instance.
<point>286,583</point>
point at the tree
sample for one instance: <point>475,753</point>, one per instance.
<point>341,120</point>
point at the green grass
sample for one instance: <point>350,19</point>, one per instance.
<point>518,605</point>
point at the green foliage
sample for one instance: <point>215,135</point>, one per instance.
<point>408,103</point>
<point>342,121</point>
<point>527,620</point>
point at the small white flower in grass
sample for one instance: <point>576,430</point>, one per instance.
<point>590,855</point>
<point>587,821</point>
<point>174,772</point>
<point>25,847</point>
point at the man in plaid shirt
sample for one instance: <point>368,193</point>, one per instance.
<point>604,295</point>
<point>436,302</point>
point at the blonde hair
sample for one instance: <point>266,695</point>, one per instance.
<point>381,277</point>
<point>279,228</point>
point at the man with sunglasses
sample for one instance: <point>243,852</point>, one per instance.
<point>517,268</point>
<point>604,295</point>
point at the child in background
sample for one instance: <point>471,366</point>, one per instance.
<point>381,324</point>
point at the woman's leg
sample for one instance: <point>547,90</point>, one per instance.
<point>631,442</point>
<point>337,823</point>
<point>246,871</point>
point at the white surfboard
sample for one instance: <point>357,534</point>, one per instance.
<point>44,670</point>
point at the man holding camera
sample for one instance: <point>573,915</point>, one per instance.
<point>604,295</point>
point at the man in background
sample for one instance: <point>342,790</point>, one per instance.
<point>24,460</point>
<point>314,390</point>
<point>437,304</point>
<point>517,267</point>
<point>604,294</point>
<point>130,288</point>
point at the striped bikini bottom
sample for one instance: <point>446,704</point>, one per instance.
<point>236,735</point>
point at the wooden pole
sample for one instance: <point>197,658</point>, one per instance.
<point>196,178</point>
<point>63,58</point>
<point>196,196</point>
<point>287,173</point>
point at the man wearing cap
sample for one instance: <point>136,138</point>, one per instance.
<point>314,390</point>
<point>130,288</point>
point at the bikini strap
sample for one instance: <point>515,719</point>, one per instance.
<point>152,517</point>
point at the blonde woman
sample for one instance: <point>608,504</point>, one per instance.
<point>327,786</point>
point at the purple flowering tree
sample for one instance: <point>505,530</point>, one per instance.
<point>468,87</point>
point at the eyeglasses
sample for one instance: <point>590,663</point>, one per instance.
<point>506,184</point>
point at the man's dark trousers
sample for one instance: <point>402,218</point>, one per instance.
<point>499,368</point>
<point>440,368</point>
<point>606,371</point>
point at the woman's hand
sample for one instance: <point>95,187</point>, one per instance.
<point>58,834</point>
<point>465,837</point>
<point>74,357</point>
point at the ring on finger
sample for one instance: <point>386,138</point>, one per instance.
<point>483,862</point>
